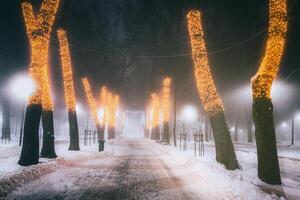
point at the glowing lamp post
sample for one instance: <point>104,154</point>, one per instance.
<point>20,88</point>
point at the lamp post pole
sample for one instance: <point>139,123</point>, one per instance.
<point>21,128</point>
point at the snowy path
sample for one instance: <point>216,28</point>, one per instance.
<point>132,171</point>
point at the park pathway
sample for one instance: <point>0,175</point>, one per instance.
<point>133,170</point>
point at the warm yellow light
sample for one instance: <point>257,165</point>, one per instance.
<point>166,99</point>
<point>154,118</point>
<point>262,81</point>
<point>67,71</point>
<point>91,100</point>
<point>38,28</point>
<point>103,103</point>
<point>112,106</point>
<point>205,83</point>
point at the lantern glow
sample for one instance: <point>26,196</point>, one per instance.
<point>205,83</point>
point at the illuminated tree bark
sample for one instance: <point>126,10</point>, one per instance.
<point>208,94</point>
<point>268,166</point>
<point>166,109</point>
<point>93,107</point>
<point>69,90</point>
<point>154,119</point>
<point>113,101</point>
<point>38,28</point>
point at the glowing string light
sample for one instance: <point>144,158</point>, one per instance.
<point>103,104</point>
<point>91,100</point>
<point>262,81</point>
<point>154,119</point>
<point>67,71</point>
<point>205,83</point>
<point>38,31</point>
<point>166,99</point>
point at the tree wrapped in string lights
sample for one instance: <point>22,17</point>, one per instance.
<point>69,89</point>
<point>154,117</point>
<point>93,108</point>
<point>38,28</point>
<point>103,105</point>
<point>208,93</point>
<point>268,167</point>
<point>166,108</point>
<point>113,102</point>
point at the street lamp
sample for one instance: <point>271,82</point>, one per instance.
<point>20,87</point>
<point>190,114</point>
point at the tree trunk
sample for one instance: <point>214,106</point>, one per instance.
<point>73,131</point>
<point>111,132</point>
<point>268,166</point>
<point>249,128</point>
<point>48,150</point>
<point>101,141</point>
<point>6,120</point>
<point>206,130</point>
<point>30,148</point>
<point>236,126</point>
<point>166,132</point>
<point>155,133</point>
<point>224,148</point>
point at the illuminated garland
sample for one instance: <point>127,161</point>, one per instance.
<point>205,83</point>
<point>103,104</point>
<point>67,71</point>
<point>91,100</point>
<point>113,102</point>
<point>166,99</point>
<point>262,81</point>
<point>38,31</point>
<point>154,118</point>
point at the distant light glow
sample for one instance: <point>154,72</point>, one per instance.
<point>284,124</point>
<point>21,86</point>
<point>297,116</point>
<point>79,108</point>
<point>190,114</point>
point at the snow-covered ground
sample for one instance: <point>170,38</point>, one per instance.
<point>143,169</point>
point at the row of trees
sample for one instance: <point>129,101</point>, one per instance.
<point>268,166</point>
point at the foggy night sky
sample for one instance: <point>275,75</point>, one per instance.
<point>110,38</point>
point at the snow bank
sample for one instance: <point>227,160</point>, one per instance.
<point>13,175</point>
<point>203,175</point>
